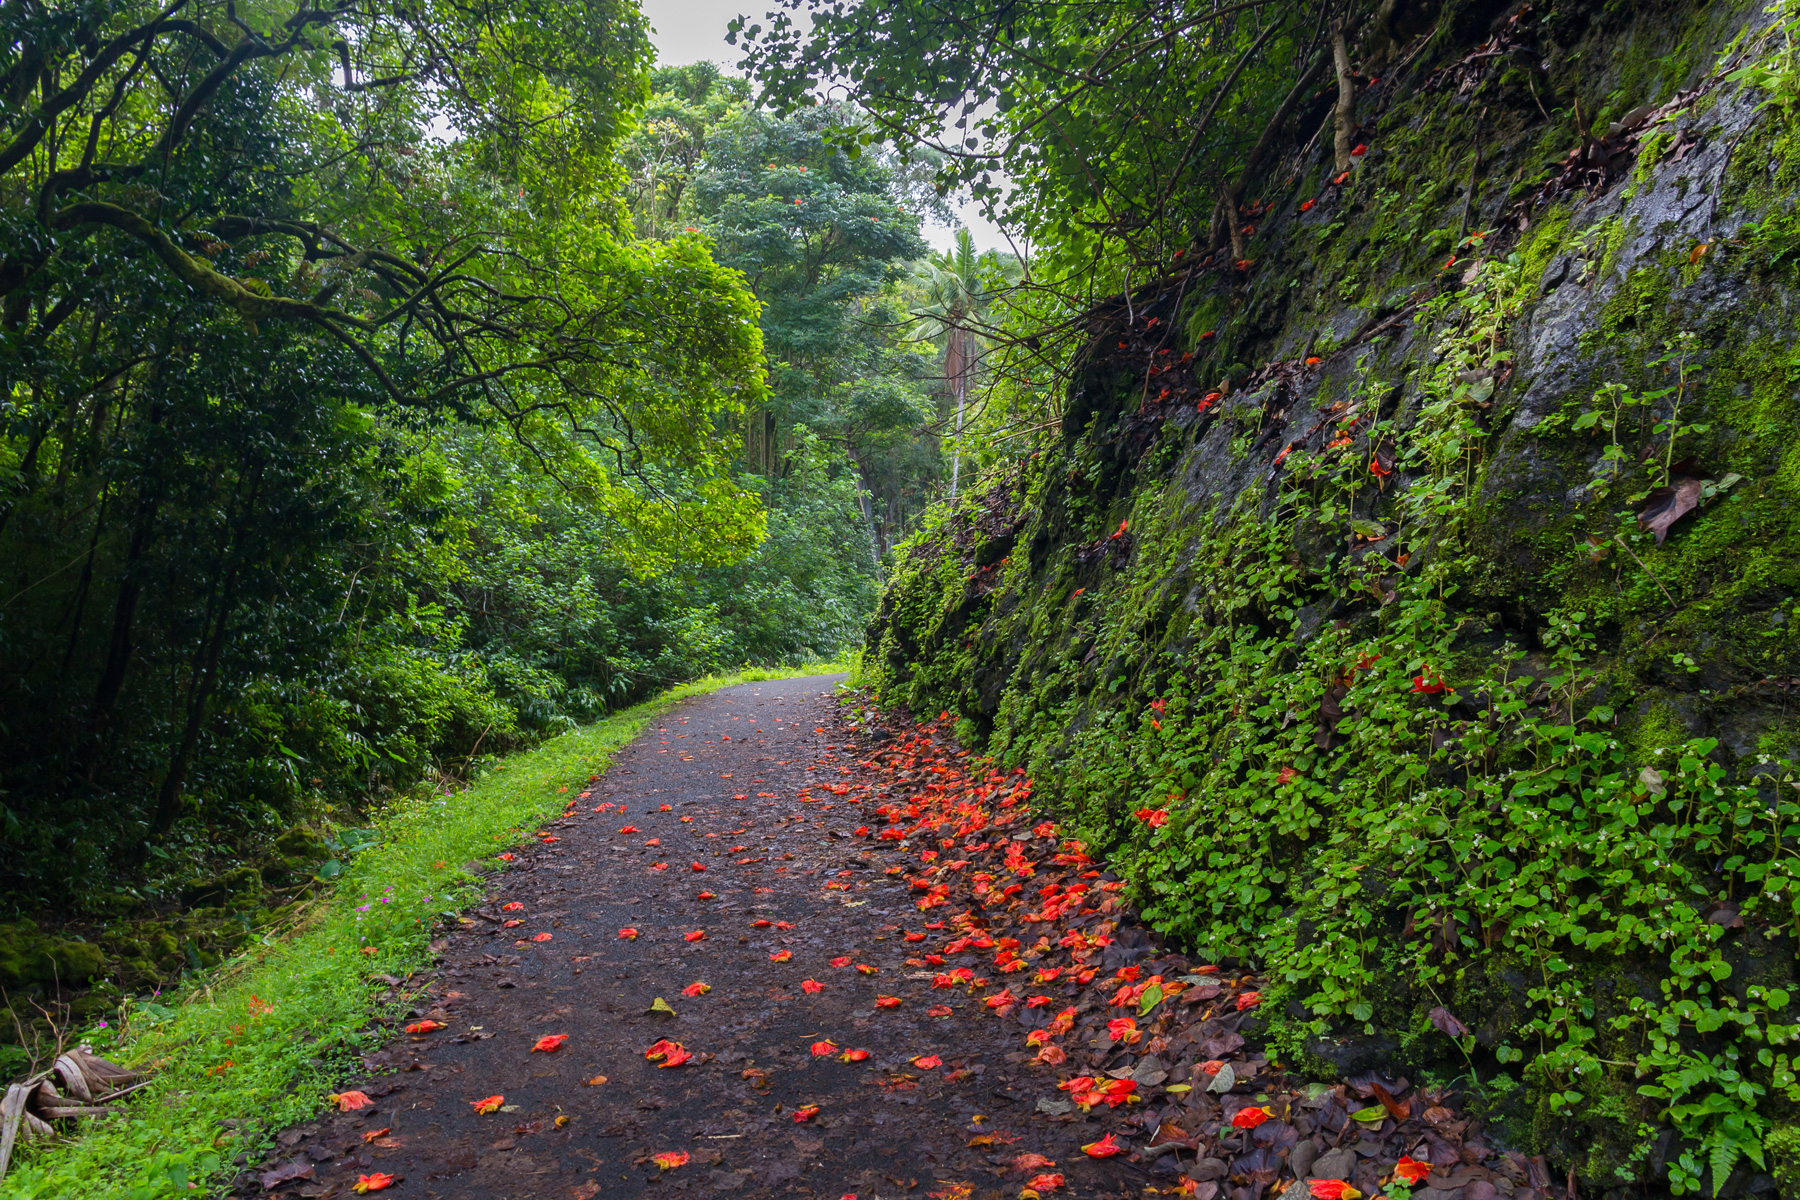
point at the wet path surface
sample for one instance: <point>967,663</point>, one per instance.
<point>718,838</point>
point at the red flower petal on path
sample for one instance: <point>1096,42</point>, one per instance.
<point>706,896</point>
<point>698,866</point>
<point>1411,1170</point>
<point>515,906</point>
<point>1050,1181</point>
<point>1249,1118</point>
<point>1051,1055</point>
<point>781,956</point>
<point>1249,1000</point>
<point>887,1002</point>
<point>513,924</point>
<point>802,1115</point>
<point>654,842</point>
<point>550,1042</point>
<point>915,937</point>
<point>540,937</point>
<point>504,857</point>
<point>854,1055</point>
<point>487,1104</point>
<point>926,1062</point>
<point>373,1183</point>
<point>667,808</point>
<point>866,969</point>
<point>741,796</point>
<point>349,1101</point>
<point>675,1058</point>
<point>696,936</point>
<point>668,1160</point>
<point>1104,1148</point>
<point>659,866</point>
<point>841,962</point>
<point>426,1026</point>
<point>629,829</point>
<point>1031,1162</point>
<point>628,934</point>
<point>939,1010</point>
<point>696,989</point>
<point>821,1048</point>
<point>760,924</point>
<point>811,987</point>
<point>1331,1189</point>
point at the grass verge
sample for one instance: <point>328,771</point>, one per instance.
<point>255,1044</point>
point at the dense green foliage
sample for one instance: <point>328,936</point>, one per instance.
<point>350,428</point>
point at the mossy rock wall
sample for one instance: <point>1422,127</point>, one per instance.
<point>1339,614</point>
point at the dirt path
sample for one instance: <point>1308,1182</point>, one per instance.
<point>714,785</point>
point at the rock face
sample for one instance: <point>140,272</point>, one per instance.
<point>1437,576</point>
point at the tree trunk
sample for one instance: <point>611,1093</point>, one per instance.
<point>1345,115</point>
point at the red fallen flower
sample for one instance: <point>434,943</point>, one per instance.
<point>628,934</point>
<point>866,969</point>
<point>821,1048</point>
<point>706,896</point>
<point>1314,361</point>
<point>1207,334</point>
<point>659,866</point>
<point>1049,1181</point>
<point>1411,1170</point>
<point>426,1026</point>
<point>1211,1066</point>
<point>802,1115</point>
<point>667,808</point>
<point>696,989</point>
<point>1123,1029</point>
<point>668,1160</point>
<point>1155,818</point>
<point>1339,442</point>
<point>1106,1147</point>
<point>698,866</point>
<point>1285,451</point>
<point>629,829</point>
<point>939,1010</point>
<point>1051,1055</point>
<point>1376,469</point>
<point>548,840</point>
<point>1249,1000</point>
<point>1449,262</point>
<point>811,987</point>
<point>1244,264</point>
<point>697,935</point>
<point>842,961</point>
<point>377,1182</point>
<point>540,937</point>
<point>504,857</point>
<point>781,956</point>
<point>1341,178</point>
<point>515,906</point>
<point>512,924</point>
<point>1250,1118</point>
<point>550,1042</point>
<point>1432,688</point>
<point>1332,1189</point>
<point>853,1056</point>
<point>654,842</point>
<point>862,831</point>
<point>1004,1000</point>
<point>349,1101</point>
<point>487,1104</point>
<point>1307,205</point>
<point>1037,1037</point>
<point>1285,775</point>
<point>1128,974</point>
<point>1359,151</point>
<point>1124,527</point>
<point>927,1062</point>
<point>1037,1002</point>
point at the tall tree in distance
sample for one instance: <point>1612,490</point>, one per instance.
<point>960,286</point>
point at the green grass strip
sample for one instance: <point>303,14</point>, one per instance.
<point>257,1043</point>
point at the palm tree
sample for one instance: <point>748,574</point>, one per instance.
<point>959,287</point>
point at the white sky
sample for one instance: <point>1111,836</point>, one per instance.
<point>686,31</point>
